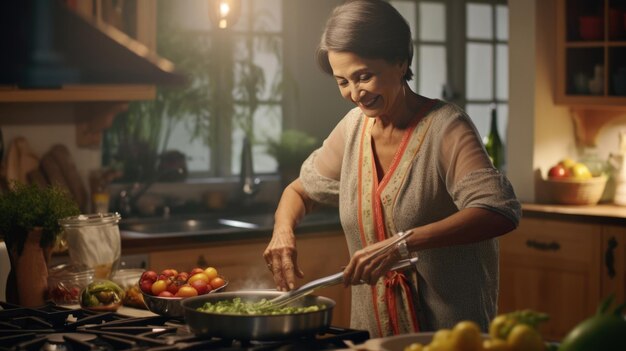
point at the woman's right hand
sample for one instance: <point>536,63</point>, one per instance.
<point>281,257</point>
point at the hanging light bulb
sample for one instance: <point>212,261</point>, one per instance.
<point>224,13</point>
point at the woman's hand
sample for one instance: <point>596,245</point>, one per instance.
<point>282,259</point>
<point>367,265</point>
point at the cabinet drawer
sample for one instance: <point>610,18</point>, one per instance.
<point>539,239</point>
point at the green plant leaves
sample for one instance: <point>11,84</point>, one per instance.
<point>27,206</point>
<point>292,148</point>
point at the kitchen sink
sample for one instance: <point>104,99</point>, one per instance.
<point>199,225</point>
<point>177,226</point>
<point>266,220</point>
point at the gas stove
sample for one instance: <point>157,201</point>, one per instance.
<point>55,328</point>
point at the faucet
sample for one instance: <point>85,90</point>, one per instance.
<point>128,197</point>
<point>249,184</point>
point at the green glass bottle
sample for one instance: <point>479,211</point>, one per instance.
<point>493,143</point>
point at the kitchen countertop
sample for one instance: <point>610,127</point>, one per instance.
<point>328,220</point>
<point>601,213</point>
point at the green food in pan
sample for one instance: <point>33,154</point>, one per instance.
<point>261,307</point>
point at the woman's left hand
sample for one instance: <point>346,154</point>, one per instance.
<point>367,265</point>
<point>281,257</point>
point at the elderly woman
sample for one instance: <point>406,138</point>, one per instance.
<point>397,162</point>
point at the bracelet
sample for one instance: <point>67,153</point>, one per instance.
<point>402,247</point>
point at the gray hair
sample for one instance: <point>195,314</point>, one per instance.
<point>371,29</point>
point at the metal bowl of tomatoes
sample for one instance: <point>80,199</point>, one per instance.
<point>163,292</point>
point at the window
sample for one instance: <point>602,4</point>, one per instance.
<point>461,54</point>
<point>235,79</point>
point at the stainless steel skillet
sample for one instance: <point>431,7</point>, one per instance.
<point>256,327</point>
<point>266,327</point>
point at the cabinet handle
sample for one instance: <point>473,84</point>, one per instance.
<point>202,262</point>
<point>553,246</point>
<point>609,257</point>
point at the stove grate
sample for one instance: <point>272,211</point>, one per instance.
<point>56,328</point>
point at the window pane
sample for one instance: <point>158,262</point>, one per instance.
<point>196,152</point>
<point>432,21</point>
<point>241,55</point>
<point>267,16</point>
<point>193,16</point>
<point>478,72</point>
<point>502,72</point>
<point>407,10</point>
<point>267,124</point>
<point>235,157</point>
<point>432,70</point>
<point>244,16</point>
<point>479,21</point>
<point>266,58</point>
<point>503,118</point>
<point>481,116</point>
<point>502,22</point>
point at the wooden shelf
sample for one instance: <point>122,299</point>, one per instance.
<point>79,93</point>
<point>141,16</point>
<point>578,59</point>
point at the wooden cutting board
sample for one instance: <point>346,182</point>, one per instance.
<point>59,168</point>
<point>21,160</point>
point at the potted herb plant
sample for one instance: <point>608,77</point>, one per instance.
<point>290,150</point>
<point>29,225</point>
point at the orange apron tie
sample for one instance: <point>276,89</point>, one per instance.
<point>392,281</point>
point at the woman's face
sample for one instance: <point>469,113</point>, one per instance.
<point>374,85</point>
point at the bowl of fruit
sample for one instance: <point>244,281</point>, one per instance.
<point>572,183</point>
<point>162,292</point>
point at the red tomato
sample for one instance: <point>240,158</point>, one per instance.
<point>182,276</point>
<point>166,294</point>
<point>146,286</point>
<point>169,272</point>
<point>196,271</point>
<point>158,287</point>
<point>149,275</point>
<point>211,272</point>
<point>198,276</point>
<point>217,282</point>
<point>201,286</point>
<point>173,288</point>
<point>186,291</point>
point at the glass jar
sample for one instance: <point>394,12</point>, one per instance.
<point>128,279</point>
<point>94,240</point>
<point>65,282</point>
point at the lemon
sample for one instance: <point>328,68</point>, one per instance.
<point>497,326</point>
<point>414,347</point>
<point>442,334</point>
<point>466,336</point>
<point>495,345</point>
<point>580,171</point>
<point>525,338</point>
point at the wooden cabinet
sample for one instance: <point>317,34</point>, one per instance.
<point>135,19</point>
<point>591,53</point>
<point>563,268</point>
<point>552,267</point>
<point>613,262</point>
<point>242,263</point>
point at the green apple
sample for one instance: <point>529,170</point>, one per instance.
<point>580,171</point>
